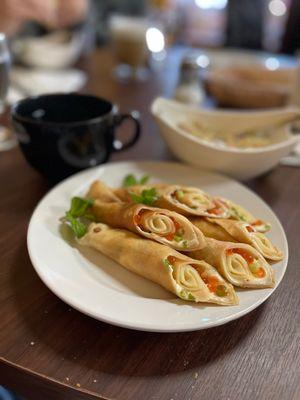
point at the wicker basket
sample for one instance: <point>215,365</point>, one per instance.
<point>254,87</point>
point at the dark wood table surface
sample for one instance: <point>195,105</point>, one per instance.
<point>50,351</point>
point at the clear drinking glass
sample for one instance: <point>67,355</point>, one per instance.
<point>7,140</point>
<point>128,37</point>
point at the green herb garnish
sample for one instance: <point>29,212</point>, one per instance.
<point>221,291</point>
<point>177,238</point>
<point>78,227</point>
<point>179,194</point>
<point>80,206</point>
<point>254,266</point>
<point>144,179</point>
<point>131,180</point>
<point>184,295</point>
<point>79,215</point>
<point>191,297</point>
<point>148,197</point>
<point>167,264</point>
<point>185,244</point>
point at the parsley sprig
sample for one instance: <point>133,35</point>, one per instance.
<point>131,180</point>
<point>79,215</point>
<point>148,197</point>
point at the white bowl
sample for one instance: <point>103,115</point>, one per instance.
<point>56,50</point>
<point>239,163</point>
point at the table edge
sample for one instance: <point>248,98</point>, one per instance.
<point>12,374</point>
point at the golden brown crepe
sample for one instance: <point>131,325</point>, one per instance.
<point>239,263</point>
<point>184,200</point>
<point>187,278</point>
<point>163,226</point>
<point>229,230</point>
<point>239,213</point>
<point>98,190</point>
<point>187,201</point>
<point>211,230</point>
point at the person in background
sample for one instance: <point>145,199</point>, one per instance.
<point>21,18</point>
<point>50,14</point>
<point>245,24</point>
<point>291,37</point>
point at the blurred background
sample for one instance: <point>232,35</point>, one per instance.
<point>255,24</point>
<point>54,34</point>
<point>47,38</point>
<point>228,53</point>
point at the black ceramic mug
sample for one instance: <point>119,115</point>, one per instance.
<point>61,134</point>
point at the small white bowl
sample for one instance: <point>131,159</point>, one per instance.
<point>56,50</point>
<point>239,163</point>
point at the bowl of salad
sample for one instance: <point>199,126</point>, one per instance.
<point>241,144</point>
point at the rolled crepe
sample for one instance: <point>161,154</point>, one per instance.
<point>163,226</point>
<point>211,230</point>
<point>229,230</point>
<point>239,213</point>
<point>98,190</point>
<point>187,278</point>
<point>182,199</point>
<point>239,263</point>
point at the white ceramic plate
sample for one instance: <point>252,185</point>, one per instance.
<point>101,288</point>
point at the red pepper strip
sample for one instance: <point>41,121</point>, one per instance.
<point>248,257</point>
<point>250,229</point>
<point>260,273</point>
<point>216,210</point>
<point>211,282</point>
<point>176,224</point>
<point>171,259</point>
<point>257,222</point>
<point>170,236</point>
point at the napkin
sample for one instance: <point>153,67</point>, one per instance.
<point>31,82</point>
<point>293,159</point>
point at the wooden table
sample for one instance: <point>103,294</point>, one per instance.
<point>50,351</point>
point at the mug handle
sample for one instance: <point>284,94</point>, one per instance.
<point>134,116</point>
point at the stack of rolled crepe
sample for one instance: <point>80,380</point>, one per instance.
<point>229,230</point>
<point>187,278</point>
<point>195,245</point>
<point>164,226</point>
<point>184,200</point>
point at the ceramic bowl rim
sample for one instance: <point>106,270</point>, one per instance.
<point>291,140</point>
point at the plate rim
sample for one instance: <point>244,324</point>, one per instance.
<point>144,326</point>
